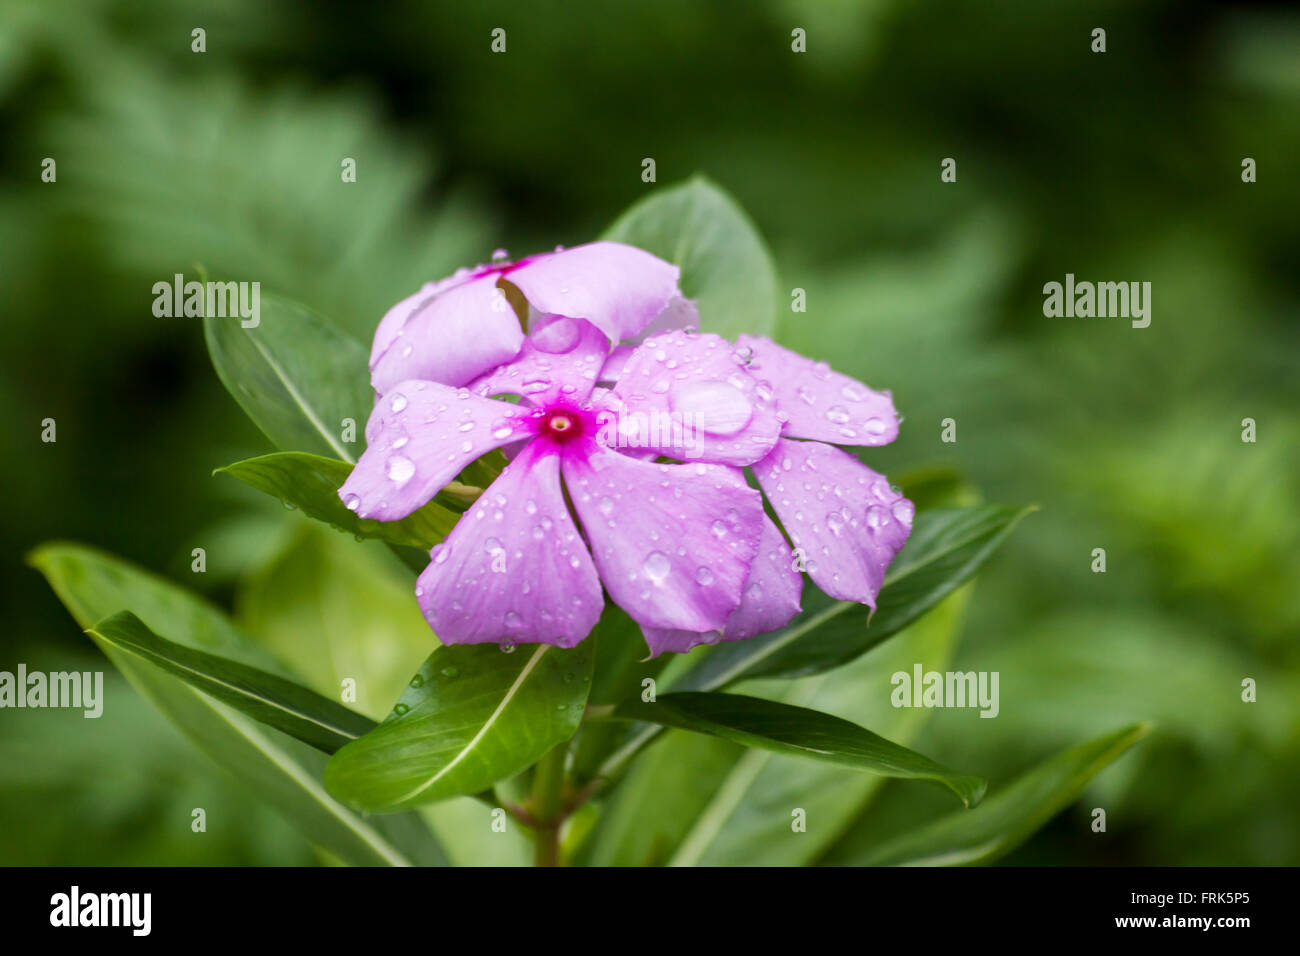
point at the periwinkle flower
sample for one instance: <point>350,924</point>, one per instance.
<point>610,380</point>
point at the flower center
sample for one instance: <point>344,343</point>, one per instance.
<point>562,424</point>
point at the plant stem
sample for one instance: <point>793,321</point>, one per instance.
<point>548,806</point>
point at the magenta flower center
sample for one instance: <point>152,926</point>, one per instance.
<point>562,424</point>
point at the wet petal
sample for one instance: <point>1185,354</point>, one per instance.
<point>772,592</point>
<point>679,314</point>
<point>514,569</point>
<point>451,338</point>
<point>391,324</point>
<point>769,602</point>
<point>687,397</point>
<point>419,437</point>
<point>559,360</point>
<point>817,402</point>
<point>618,288</point>
<point>673,543</point>
<point>616,363</point>
<point>842,517</point>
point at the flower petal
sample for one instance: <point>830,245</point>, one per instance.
<point>616,363</point>
<point>419,437</point>
<point>391,324</point>
<point>514,568</point>
<point>451,338</point>
<point>680,313</point>
<point>770,600</point>
<point>817,402</point>
<point>559,360</point>
<point>686,396</point>
<point>772,592</point>
<point>842,516</point>
<point>673,542</point>
<point>618,288</point>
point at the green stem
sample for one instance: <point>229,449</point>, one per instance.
<point>548,806</point>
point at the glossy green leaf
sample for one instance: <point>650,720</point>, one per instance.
<point>725,265</point>
<point>297,376</point>
<point>783,728</point>
<point>311,483</point>
<point>1011,814</point>
<point>279,769</point>
<point>473,715</point>
<point>272,700</point>
<point>947,547</point>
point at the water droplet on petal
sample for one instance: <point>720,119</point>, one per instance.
<point>904,510</point>
<point>558,336</point>
<point>718,408</point>
<point>398,402</point>
<point>656,566</point>
<point>704,576</point>
<point>400,469</point>
<point>352,502</point>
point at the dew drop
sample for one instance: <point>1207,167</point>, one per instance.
<point>718,408</point>
<point>398,403</point>
<point>557,337</point>
<point>656,566</point>
<point>400,469</point>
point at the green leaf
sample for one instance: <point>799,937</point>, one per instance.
<point>272,700</point>
<point>1011,815</point>
<point>770,725</point>
<point>280,770</point>
<point>296,375</point>
<point>947,547</point>
<point>472,716</point>
<point>725,265</point>
<point>311,483</point>
<point>746,819</point>
<point>335,610</point>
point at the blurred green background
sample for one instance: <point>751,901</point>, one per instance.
<point>1117,166</point>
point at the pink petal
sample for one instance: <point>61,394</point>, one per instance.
<point>419,437</point>
<point>817,402</point>
<point>679,314</point>
<point>451,338</point>
<point>769,602</point>
<point>687,397</point>
<point>772,592</point>
<point>559,360</point>
<point>391,324</point>
<point>514,569</point>
<point>842,516</point>
<point>616,363</point>
<point>673,543</point>
<point>619,289</point>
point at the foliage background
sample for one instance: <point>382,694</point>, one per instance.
<point>1117,166</point>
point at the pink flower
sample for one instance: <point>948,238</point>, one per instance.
<point>685,548</point>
